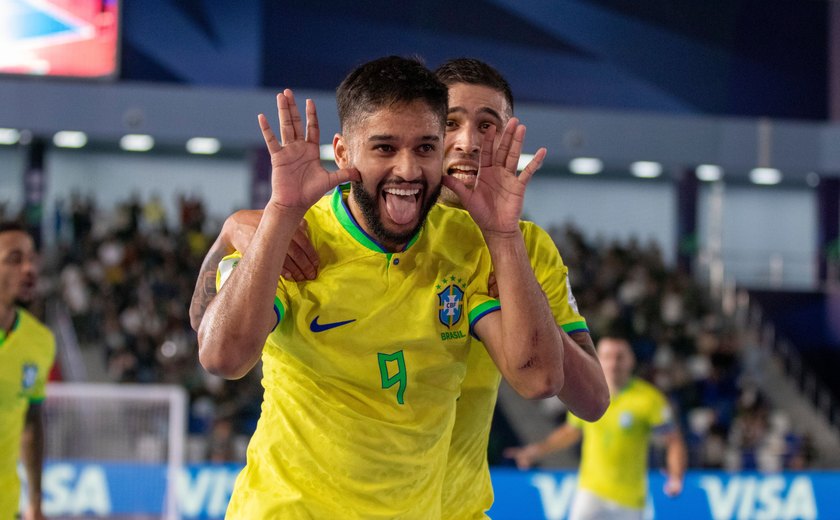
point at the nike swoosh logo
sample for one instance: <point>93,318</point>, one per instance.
<point>321,327</point>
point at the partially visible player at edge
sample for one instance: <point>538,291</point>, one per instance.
<point>27,350</point>
<point>612,481</point>
<point>479,99</point>
<point>360,400</point>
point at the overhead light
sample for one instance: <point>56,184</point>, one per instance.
<point>70,139</point>
<point>765,176</point>
<point>524,159</point>
<point>9,136</point>
<point>812,179</point>
<point>586,165</point>
<point>646,169</point>
<point>327,152</point>
<point>709,172</point>
<point>137,142</point>
<point>203,145</point>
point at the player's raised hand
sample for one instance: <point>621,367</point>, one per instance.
<point>297,178</point>
<point>496,200</point>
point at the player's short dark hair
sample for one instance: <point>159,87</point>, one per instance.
<point>386,82</point>
<point>12,225</point>
<point>474,72</point>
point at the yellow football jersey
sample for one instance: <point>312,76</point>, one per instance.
<point>615,447</point>
<point>26,356</point>
<point>362,372</point>
<point>467,490</point>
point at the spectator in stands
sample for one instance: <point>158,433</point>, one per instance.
<point>612,482</point>
<point>27,351</point>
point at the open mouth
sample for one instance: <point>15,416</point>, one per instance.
<point>402,203</point>
<point>464,173</point>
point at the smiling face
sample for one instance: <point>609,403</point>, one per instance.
<point>18,270</point>
<point>398,152</point>
<point>473,110</point>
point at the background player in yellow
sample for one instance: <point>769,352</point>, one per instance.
<point>612,481</point>
<point>377,462</point>
<point>27,349</point>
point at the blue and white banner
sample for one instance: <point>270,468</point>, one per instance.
<point>110,489</point>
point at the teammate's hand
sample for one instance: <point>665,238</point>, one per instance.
<point>297,178</point>
<point>496,200</point>
<point>301,261</point>
<point>525,457</point>
<point>492,287</point>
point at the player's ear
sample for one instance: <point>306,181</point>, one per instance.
<point>341,149</point>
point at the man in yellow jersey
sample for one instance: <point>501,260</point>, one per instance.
<point>27,349</point>
<point>479,99</point>
<point>612,481</point>
<point>362,366</point>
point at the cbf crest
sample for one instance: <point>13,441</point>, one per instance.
<point>29,375</point>
<point>450,301</point>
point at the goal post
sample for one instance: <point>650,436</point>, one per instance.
<point>113,449</point>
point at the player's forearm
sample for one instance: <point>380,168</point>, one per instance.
<point>676,460</point>
<point>560,439</point>
<point>585,391</point>
<point>532,345</point>
<point>32,453</point>
<point>238,320</point>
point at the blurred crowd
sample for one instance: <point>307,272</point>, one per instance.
<point>126,277</point>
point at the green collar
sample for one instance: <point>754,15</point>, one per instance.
<point>345,218</point>
<point>4,334</point>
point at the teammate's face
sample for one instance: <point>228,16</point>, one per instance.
<point>617,361</point>
<point>18,270</point>
<point>399,153</point>
<point>473,110</point>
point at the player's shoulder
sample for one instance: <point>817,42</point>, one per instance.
<point>35,329</point>
<point>538,241</point>
<point>448,219</point>
<point>647,390</point>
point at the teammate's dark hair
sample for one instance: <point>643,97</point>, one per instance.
<point>474,72</point>
<point>386,82</point>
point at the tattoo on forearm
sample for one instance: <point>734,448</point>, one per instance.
<point>205,287</point>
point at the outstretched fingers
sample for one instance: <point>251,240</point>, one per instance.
<point>268,135</point>
<point>313,131</point>
<point>486,157</point>
<point>503,150</point>
<point>290,122</point>
<point>532,167</point>
<point>515,150</point>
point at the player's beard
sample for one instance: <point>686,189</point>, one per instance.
<point>369,206</point>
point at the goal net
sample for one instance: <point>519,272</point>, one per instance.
<point>113,451</point>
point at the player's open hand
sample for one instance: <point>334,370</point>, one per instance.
<point>496,200</point>
<point>673,486</point>
<point>297,178</point>
<point>525,457</point>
